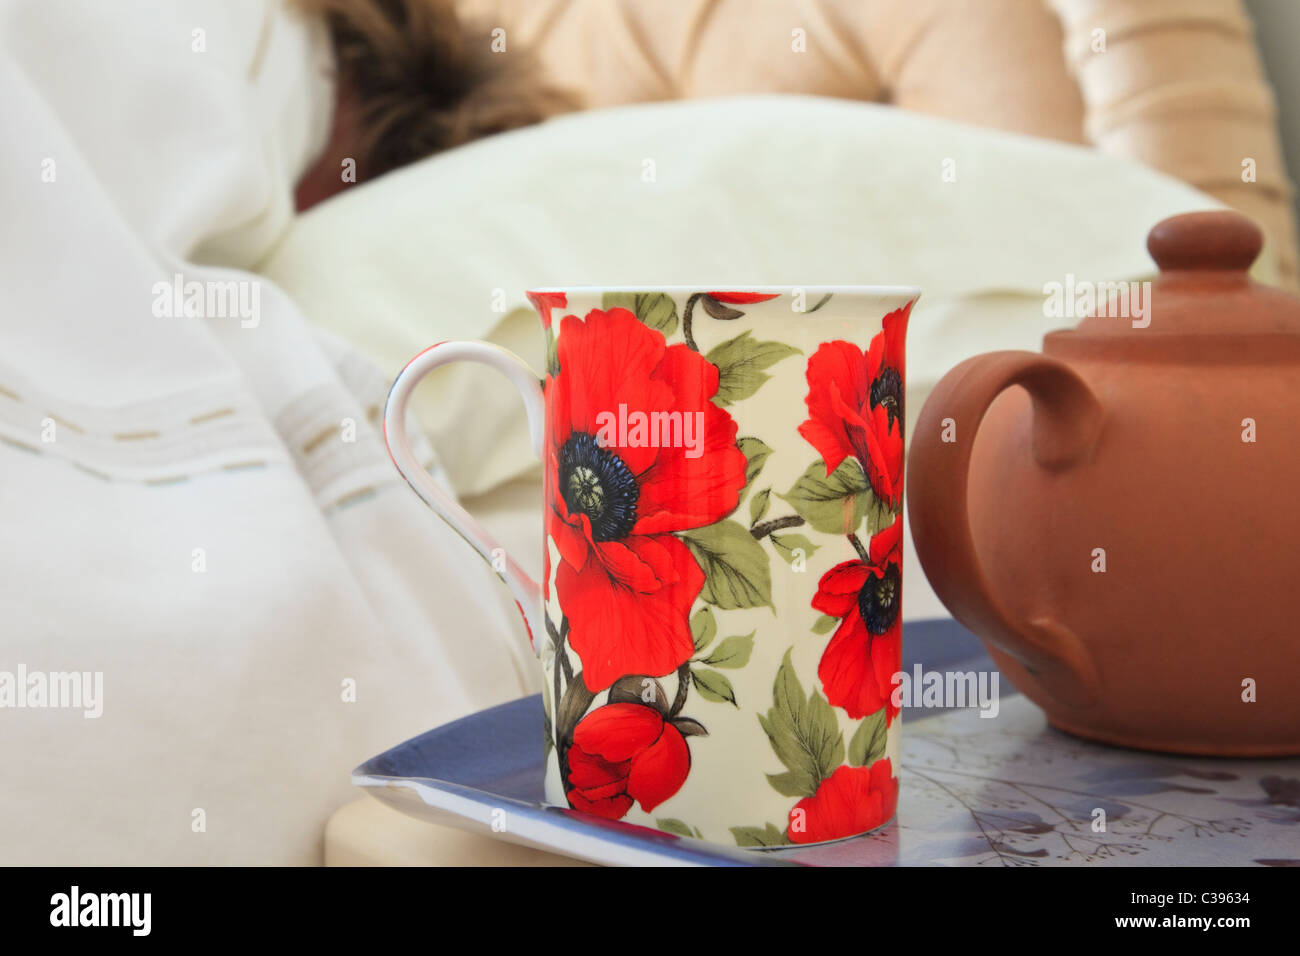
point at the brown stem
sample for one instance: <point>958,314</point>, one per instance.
<point>821,302</point>
<point>683,687</point>
<point>564,658</point>
<point>556,693</point>
<point>686,321</point>
<point>582,698</point>
<point>857,546</point>
<point>562,665</point>
<point>761,531</point>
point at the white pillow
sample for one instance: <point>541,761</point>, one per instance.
<point>752,190</point>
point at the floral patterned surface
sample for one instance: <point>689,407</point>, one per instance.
<point>1014,792</point>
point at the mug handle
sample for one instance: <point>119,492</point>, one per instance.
<point>1066,422</point>
<point>527,592</point>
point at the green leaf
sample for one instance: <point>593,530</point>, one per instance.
<point>758,506</point>
<point>703,628</point>
<point>788,784</point>
<point>767,835</point>
<point>741,362</point>
<point>879,515</point>
<point>835,503</point>
<point>552,354</point>
<point>733,652</point>
<point>804,733</point>
<point>736,569</point>
<point>573,706</point>
<point>713,686</point>
<point>867,744</point>
<point>825,624</point>
<point>785,545</point>
<point>655,309</point>
<point>755,452</point>
<point>674,826</point>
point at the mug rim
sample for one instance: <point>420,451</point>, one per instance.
<point>863,290</point>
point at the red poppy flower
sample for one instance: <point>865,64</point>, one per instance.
<point>855,405</point>
<point>866,651</point>
<point>637,451</point>
<point>850,801</point>
<point>741,298</point>
<point>625,752</point>
<point>543,302</point>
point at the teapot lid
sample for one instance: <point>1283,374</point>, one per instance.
<point>1203,287</point>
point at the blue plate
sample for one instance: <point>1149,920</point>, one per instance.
<point>1004,790</point>
<point>484,773</point>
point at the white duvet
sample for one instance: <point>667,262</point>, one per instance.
<point>197,512</point>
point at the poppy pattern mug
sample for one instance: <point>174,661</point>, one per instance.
<point>719,619</point>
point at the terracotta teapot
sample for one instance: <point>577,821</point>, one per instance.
<point>1123,529</point>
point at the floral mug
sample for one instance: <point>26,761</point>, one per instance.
<point>720,615</point>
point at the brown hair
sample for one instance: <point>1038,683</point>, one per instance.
<point>422,81</point>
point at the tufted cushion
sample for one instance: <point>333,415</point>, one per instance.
<point>1178,87</point>
<point>912,53</point>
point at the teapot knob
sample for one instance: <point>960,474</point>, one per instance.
<point>1221,240</point>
